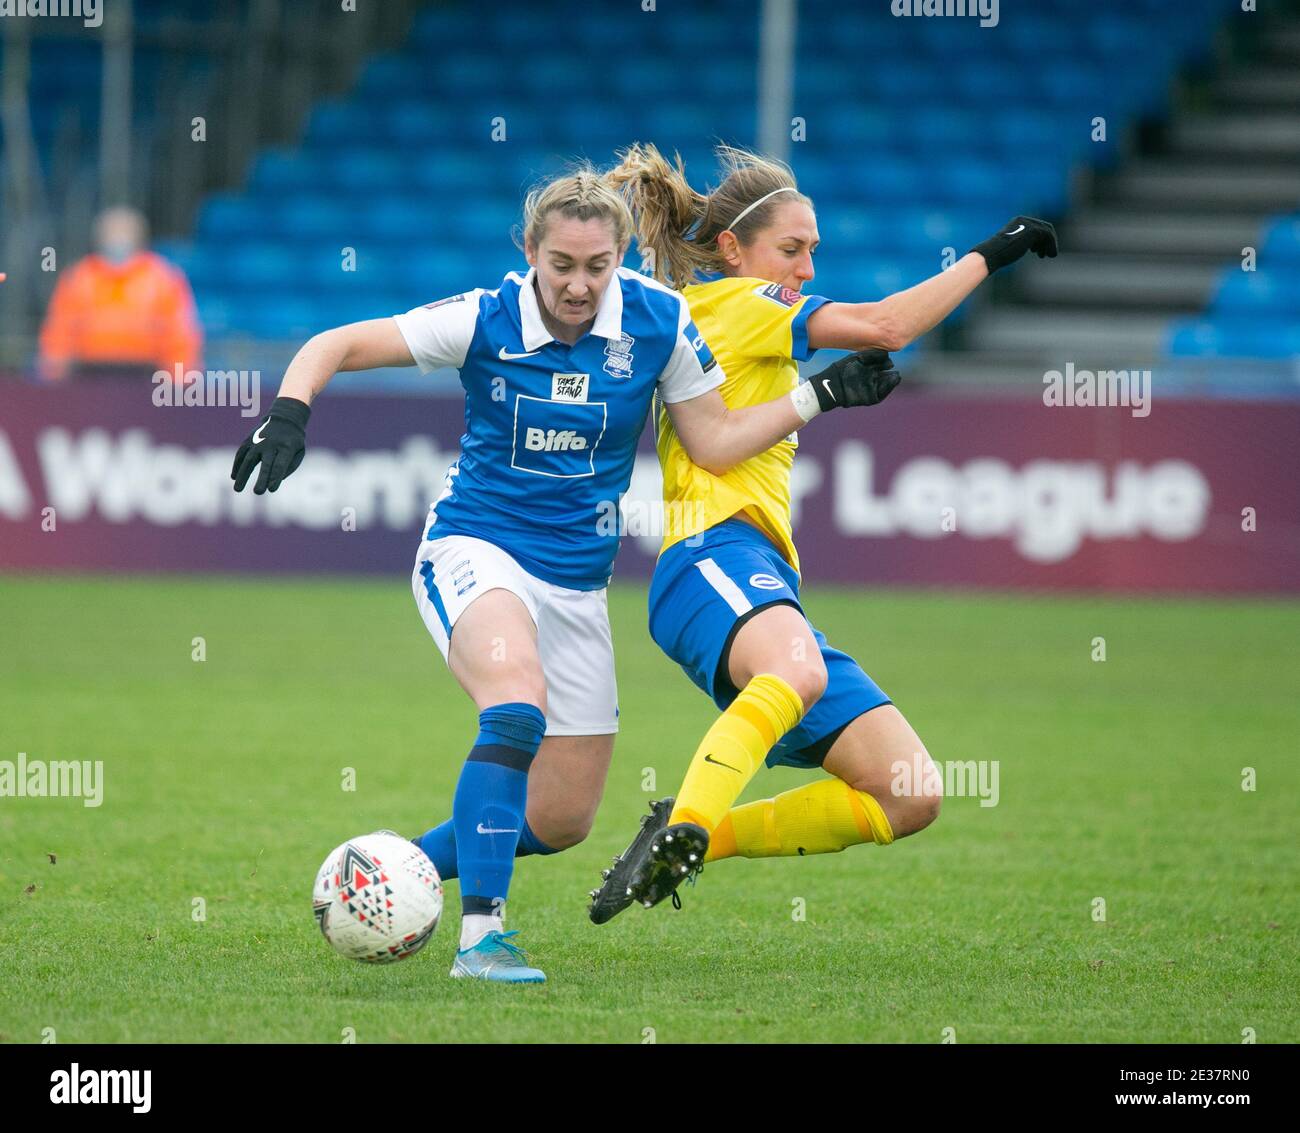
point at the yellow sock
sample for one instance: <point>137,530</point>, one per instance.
<point>734,749</point>
<point>820,818</point>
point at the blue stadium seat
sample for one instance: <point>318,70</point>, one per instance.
<point>1159,40</point>
<point>947,128</point>
<point>1253,338</point>
<point>449,170</point>
<point>288,171</point>
<point>227,217</point>
<point>1265,293</point>
<point>399,220</point>
<point>366,170</point>
<point>437,27</point>
<point>954,38</point>
<point>319,216</point>
<point>277,316</point>
<point>260,267</point>
<point>895,80</point>
<point>854,229</point>
<point>179,252</point>
<point>418,121</point>
<point>214,313</point>
<point>394,75</point>
<point>886,179</point>
<point>985,83</point>
<point>1281,243</point>
<point>727,79</point>
<point>463,72</point>
<point>343,123</point>
<point>923,233</point>
<point>888,276</point>
<point>969,181</point>
<point>1032,35</point>
<point>1035,132</point>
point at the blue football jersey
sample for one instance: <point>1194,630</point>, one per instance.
<point>550,429</point>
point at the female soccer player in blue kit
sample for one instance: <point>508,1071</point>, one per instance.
<point>559,366</point>
<point>724,602</point>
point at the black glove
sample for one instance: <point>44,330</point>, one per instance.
<point>279,443</point>
<point>865,378</point>
<point>1019,235</point>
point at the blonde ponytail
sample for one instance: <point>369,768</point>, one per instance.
<point>678,227</point>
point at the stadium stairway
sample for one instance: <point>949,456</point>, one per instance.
<point>1153,238</point>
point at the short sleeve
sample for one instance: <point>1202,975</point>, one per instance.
<point>800,351</point>
<point>438,334</point>
<point>773,322</point>
<point>692,370</point>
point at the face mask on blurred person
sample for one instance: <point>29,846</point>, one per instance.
<point>118,252</point>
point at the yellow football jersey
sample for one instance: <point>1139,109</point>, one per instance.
<point>756,330</point>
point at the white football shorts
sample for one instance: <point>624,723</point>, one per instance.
<point>573,637</point>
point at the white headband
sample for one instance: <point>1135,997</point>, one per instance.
<point>751,208</point>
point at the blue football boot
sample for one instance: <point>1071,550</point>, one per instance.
<point>496,958</point>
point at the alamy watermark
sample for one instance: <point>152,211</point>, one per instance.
<point>958,778</point>
<point>986,10</point>
<point>77,1086</point>
<point>1085,389</point>
<point>57,778</point>
<point>685,520</point>
<point>181,387</point>
<point>89,12</point>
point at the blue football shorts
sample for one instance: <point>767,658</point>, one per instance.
<point>705,588</point>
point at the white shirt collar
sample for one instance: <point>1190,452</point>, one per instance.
<point>609,315</point>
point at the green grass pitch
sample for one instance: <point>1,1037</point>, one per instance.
<point>1119,780</point>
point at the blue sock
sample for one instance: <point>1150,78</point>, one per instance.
<point>529,843</point>
<point>440,844</point>
<point>487,812</point>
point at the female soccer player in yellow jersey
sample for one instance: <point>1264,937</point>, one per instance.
<point>724,602</point>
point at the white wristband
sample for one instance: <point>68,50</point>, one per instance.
<point>804,398</point>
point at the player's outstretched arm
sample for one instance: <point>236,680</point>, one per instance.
<point>899,319</point>
<point>717,438</point>
<point>367,345</point>
<point>279,443</point>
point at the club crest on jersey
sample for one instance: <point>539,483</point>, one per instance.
<point>618,356</point>
<point>786,296</point>
<point>569,387</point>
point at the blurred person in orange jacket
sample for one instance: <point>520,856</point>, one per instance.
<point>121,306</point>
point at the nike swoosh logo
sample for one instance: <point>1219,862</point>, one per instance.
<point>826,385</point>
<point>493,830</point>
<point>710,759</point>
<point>257,437</point>
<point>506,356</point>
<point>1015,230</point>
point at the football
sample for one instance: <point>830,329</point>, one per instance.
<point>377,898</point>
